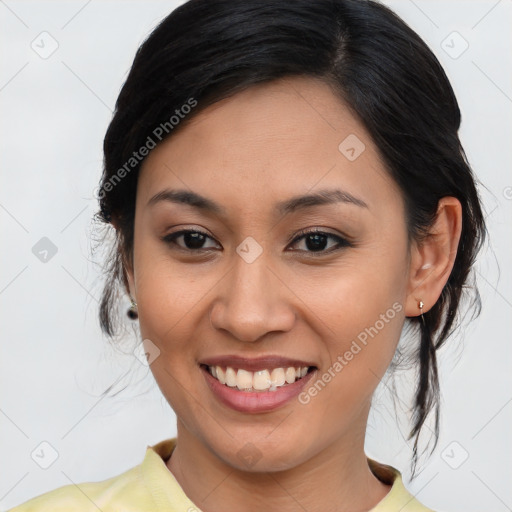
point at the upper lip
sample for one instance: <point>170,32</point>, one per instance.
<point>255,363</point>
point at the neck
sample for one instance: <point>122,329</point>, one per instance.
<point>337,475</point>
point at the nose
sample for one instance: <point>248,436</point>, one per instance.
<point>252,301</point>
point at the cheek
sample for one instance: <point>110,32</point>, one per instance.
<point>365,329</point>
<point>168,293</point>
<point>365,326</point>
<point>170,306</point>
<point>354,292</point>
<point>362,306</point>
<point>168,300</point>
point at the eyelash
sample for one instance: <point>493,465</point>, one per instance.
<point>342,242</point>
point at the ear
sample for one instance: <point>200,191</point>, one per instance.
<point>129,281</point>
<point>127,271</point>
<point>433,257</point>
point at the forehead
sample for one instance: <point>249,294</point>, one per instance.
<point>280,138</point>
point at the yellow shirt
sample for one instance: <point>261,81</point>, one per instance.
<point>151,487</point>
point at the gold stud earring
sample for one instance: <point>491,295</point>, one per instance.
<point>420,305</point>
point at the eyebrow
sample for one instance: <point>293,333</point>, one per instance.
<point>322,197</point>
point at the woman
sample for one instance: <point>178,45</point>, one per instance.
<point>289,193</point>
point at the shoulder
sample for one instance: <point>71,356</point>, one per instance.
<point>398,498</point>
<point>121,492</point>
<point>134,490</point>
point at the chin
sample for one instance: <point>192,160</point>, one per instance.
<point>260,455</point>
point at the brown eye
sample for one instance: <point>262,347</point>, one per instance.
<point>317,241</point>
<point>193,240</point>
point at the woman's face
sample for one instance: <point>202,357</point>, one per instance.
<point>248,289</point>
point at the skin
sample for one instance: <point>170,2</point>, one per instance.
<point>248,152</point>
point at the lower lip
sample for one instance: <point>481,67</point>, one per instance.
<point>257,401</point>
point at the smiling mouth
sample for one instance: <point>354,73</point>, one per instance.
<point>258,381</point>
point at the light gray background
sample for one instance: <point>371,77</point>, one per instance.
<point>55,363</point>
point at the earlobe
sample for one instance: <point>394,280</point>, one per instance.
<point>433,257</point>
<point>132,312</point>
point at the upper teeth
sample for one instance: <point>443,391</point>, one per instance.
<point>260,380</point>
